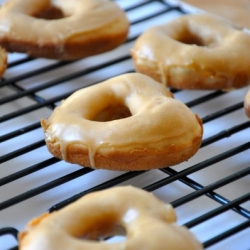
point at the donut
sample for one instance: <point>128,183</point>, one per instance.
<point>196,51</point>
<point>3,61</point>
<point>62,29</point>
<point>128,122</point>
<point>247,104</point>
<point>147,222</point>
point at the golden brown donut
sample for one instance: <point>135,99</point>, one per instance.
<point>3,61</point>
<point>62,29</point>
<point>147,222</point>
<point>247,104</point>
<point>129,122</point>
<point>198,51</point>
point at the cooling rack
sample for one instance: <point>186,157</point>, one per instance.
<point>210,192</point>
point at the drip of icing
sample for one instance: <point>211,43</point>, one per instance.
<point>92,152</point>
<point>162,74</point>
<point>63,149</point>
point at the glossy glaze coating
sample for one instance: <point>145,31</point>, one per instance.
<point>3,61</point>
<point>247,104</point>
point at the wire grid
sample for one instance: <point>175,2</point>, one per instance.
<point>210,192</point>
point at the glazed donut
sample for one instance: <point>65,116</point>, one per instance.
<point>3,61</point>
<point>247,104</point>
<point>198,51</point>
<point>129,122</point>
<point>62,29</point>
<point>148,224</point>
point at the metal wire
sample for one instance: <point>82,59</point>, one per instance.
<point>170,175</point>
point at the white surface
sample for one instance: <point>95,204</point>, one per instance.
<point>18,215</point>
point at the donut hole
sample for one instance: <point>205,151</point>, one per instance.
<point>115,239</point>
<point>191,39</point>
<point>106,232</point>
<point>190,36</point>
<point>114,112</point>
<point>50,13</point>
<point>115,235</point>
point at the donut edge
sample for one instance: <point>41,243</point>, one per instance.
<point>93,43</point>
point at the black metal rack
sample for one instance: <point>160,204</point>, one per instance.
<point>210,192</point>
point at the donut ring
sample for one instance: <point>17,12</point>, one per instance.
<point>148,222</point>
<point>62,29</point>
<point>198,51</point>
<point>3,61</point>
<point>129,122</point>
<point>247,104</point>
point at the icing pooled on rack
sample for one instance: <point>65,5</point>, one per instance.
<point>129,122</point>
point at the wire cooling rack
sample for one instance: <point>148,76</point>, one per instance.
<point>210,192</point>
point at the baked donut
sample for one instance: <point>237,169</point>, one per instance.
<point>3,61</point>
<point>129,122</point>
<point>198,51</point>
<point>62,29</point>
<point>147,222</point>
<point>247,104</point>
